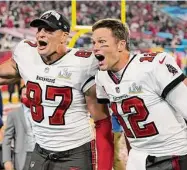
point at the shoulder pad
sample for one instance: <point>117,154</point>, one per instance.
<point>83,53</point>
<point>32,44</point>
<point>149,57</point>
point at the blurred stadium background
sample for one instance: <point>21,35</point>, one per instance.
<point>154,25</point>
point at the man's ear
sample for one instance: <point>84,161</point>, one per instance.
<point>121,45</point>
<point>64,38</point>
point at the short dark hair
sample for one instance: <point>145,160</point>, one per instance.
<point>119,30</point>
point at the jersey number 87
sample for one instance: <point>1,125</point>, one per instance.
<point>34,94</point>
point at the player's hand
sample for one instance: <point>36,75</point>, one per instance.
<point>8,165</point>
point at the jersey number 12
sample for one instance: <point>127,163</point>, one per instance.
<point>134,125</point>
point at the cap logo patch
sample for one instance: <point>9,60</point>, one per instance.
<point>46,16</point>
<point>49,13</point>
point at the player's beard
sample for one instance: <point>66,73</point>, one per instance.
<point>48,59</point>
<point>60,51</point>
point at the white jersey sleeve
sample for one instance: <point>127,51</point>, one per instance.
<point>17,50</point>
<point>166,74</point>
<point>177,99</point>
<point>169,83</point>
<point>91,68</point>
<point>102,96</point>
<point>20,49</point>
<point>23,54</point>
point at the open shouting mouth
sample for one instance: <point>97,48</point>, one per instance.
<point>42,44</point>
<point>100,58</point>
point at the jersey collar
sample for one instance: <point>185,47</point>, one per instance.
<point>114,78</point>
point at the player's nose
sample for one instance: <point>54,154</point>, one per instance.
<point>41,32</point>
<point>96,48</point>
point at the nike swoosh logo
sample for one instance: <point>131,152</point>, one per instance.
<point>161,61</point>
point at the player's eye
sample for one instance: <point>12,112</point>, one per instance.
<point>93,42</point>
<point>46,29</point>
<point>39,29</point>
<point>49,29</point>
<point>102,41</point>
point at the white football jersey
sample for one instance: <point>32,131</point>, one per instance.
<point>139,101</point>
<point>58,107</point>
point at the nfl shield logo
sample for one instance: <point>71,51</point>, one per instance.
<point>46,70</point>
<point>32,164</point>
<point>117,90</point>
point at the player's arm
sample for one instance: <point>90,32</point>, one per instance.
<point>178,98</point>
<point>171,83</point>
<point>97,111</point>
<point>8,72</point>
<point>104,136</point>
<point>185,81</point>
<point>9,69</point>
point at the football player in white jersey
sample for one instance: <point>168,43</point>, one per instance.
<point>61,89</point>
<point>147,93</point>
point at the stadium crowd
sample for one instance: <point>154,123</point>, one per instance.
<point>141,16</point>
<point>145,19</point>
